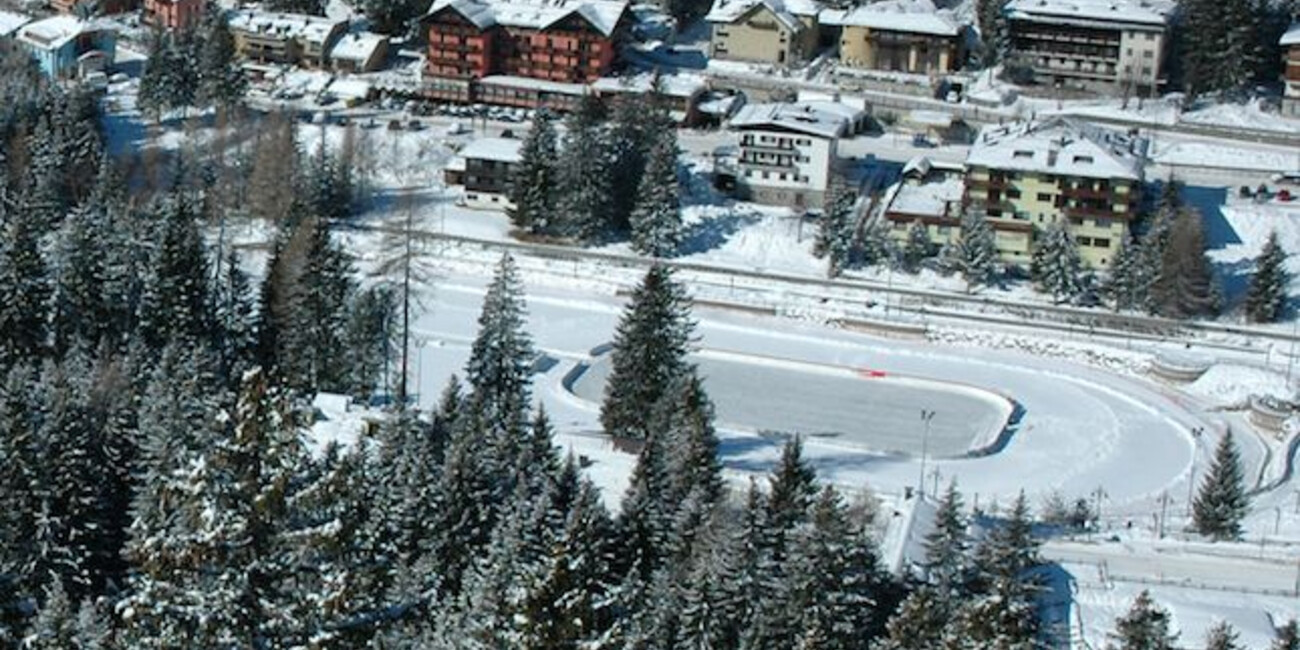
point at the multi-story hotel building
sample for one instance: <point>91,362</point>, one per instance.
<point>788,152</point>
<point>172,14</point>
<point>1027,175</point>
<point>900,36</point>
<point>768,31</point>
<point>562,41</point>
<point>1291,74</point>
<point>1111,44</point>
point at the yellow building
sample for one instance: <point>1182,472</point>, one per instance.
<point>899,36</point>
<point>765,31</point>
<point>1027,175</point>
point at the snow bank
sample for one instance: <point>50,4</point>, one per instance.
<point>1230,386</point>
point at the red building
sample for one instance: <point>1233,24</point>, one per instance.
<point>172,14</point>
<point>568,41</point>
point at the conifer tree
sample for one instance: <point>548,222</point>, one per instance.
<point>1185,286</point>
<point>80,312</point>
<point>1144,627</point>
<point>1004,613</point>
<point>1057,266</point>
<point>55,627</point>
<point>1126,284</point>
<point>836,574</point>
<point>1222,636</point>
<point>1221,502</point>
<point>275,174</point>
<point>794,484</point>
<point>533,188</point>
<point>835,232</point>
<point>991,17</point>
<point>176,305</point>
<point>656,218</point>
<point>975,254</point>
<point>649,353</point>
<point>946,547</point>
<point>917,248</point>
<point>1288,637</point>
<point>1266,298</point>
<point>711,607</point>
<point>24,290</point>
<point>221,82</point>
<point>919,622</point>
<point>643,522</point>
<point>501,357</point>
<point>585,199</point>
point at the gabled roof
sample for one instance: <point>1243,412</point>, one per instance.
<point>1151,13</point>
<point>1292,36</point>
<point>1059,145</point>
<point>55,32</point>
<point>911,16</point>
<point>312,29</point>
<point>498,149</point>
<point>359,46</point>
<point>603,15</point>
<point>800,118</point>
<point>787,11</point>
<point>10,22</point>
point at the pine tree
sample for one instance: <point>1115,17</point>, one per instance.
<point>532,190</point>
<point>1221,502</point>
<point>221,82</point>
<point>1288,637</point>
<point>794,484</point>
<point>1126,284</point>
<point>1004,613</point>
<point>919,622</point>
<point>55,627</point>
<point>1057,266</point>
<point>1222,636</point>
<point>918,246</point>
<point>585,199</point>
<point>176,305</point>
<point>643,535</point>
<point>1266,298</point>
<point>975,254</point>
<point>1185,286</point>
<point>649,353</point>
<point>656,218</point>
<point>711,607</point>
<point>24,290</point>
<point>946,562</point>
<point>1144,627</point>
<point>500,364</point>
<point>835,234</point>
<point>991,15</point>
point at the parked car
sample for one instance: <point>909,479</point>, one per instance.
<point>394,125</point>
<point>1284,195</point>
<point>919,140</point>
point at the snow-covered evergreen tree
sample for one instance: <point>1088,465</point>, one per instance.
<point>919,622</point>
<point>639,122</point>
<point>990,15</point>
<point>24,289</point>
<point>1144,627</point>
<point>585,199</point>
<point>1126,284</point>
<point>835,232</point>
<point>649,353</point>
<point>55,627</point>
<point>917,248</point>
<point>176,305</point>
<point>1221,503</point>
<point>1267,296</point>
<point>656,218</point>
<point>500,364</point>
<point>1222,636</point>
<point>975,253</point>
<point>1288,637</point>
<point>221,82</point>
<point>1185,286</point>
<point>533,188</point>
<point>1057,267</point>
<point>947,564</point>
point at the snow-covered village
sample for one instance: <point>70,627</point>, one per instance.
<point>653,325</point>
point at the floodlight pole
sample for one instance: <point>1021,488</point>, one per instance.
<point>926,416</point>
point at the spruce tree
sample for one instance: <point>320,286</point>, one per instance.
<point>1266,298</point>
<point>918,246</point>
<point>649,353</point>
<point>946,562</point>
<point>656,218</point>
<point>1126,284</point>
<point>835,232</point>
<point>975,254</point>
<point>1185,286</point>
<point>176,305</point>
<point>1221,503</point>
<point>585,199</point>
<point>991,16</point>
<point>55,627</point>
<point>794,485</point>
<point>1222,636</point>
<point>1288,637</point>
<point>501,358</point>
<point>919,622</point>
<point>1144,627</point>
<point>221,82</point>
<point>533,188</point>
<point>1057,266</point>
<point>24,290</point>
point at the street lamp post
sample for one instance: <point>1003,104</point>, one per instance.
<point>1191,479</point>
<point>926,416</point>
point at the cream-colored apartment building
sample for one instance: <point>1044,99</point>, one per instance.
<point>765,31</point>
<point>899,36</point>
<point>1027,175</point>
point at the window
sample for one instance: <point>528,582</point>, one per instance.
<point>1013,193</point>
<point>1101,242</point>
<point>1084,160</point>
<point>1129,52</point>
<point>994,212</point>
<point>1045,198</point>
<point>1146,70</point>
<point>1023,154</point>
<point>1150,36</point>
<point>1147,54</point>
<point>765,175</point>
<point>472,196</point>
<point>781,176</point>
<point>1085,241</point>
<point>1103,222</point>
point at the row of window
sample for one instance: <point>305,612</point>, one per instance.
<point>780,176</point>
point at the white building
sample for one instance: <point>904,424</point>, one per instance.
<point>1120,44</point>
<point>789,152</point>
<point>485,168</point>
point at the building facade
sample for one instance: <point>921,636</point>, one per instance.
<point>172,14</point>
<point>66,47</point>
<point>781,32</point>
<point>290,39</point>
<point>1118,45</point>
<point>485,168</point>
<point>1291,73</point>
<point>1026,176</point>
<point>788,153</point>
<point>928,191</point>
<point>899,36</point>
<point>566,41</point>
<point>358,52</point>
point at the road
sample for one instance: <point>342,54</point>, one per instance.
<point>1130,562</point>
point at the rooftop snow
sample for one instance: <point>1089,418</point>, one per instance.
<point>803,118</point>
<point>53,33</point>
<point>933,199</point>
<point>357,47</point>
<point>499,149</point>
<point>728,11</point>
<point>913,16</point>
<point>672,85</point>
<point>557,87</point>
<point>1292,36</point>
<point>350,88</point>
<point>10,22</point>
<point>604,15</point>
<point>1141,12</point>
<point>312,29</point>
<point>1059,145</point>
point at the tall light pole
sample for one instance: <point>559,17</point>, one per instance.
<point>1191,478</point>
<point>926,416</point>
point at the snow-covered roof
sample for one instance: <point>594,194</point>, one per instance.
<point>498,149</point>
<point>1152,13</point>
<point>672,85</point>
<point>357,46</point>
<point>604,15</point>
<point>1292,36</point>
<point>802,118</point>
<point>55,32</point>
<point>932,119</point>
<point>510,81</point>
<point>912,16</point>
<point>787,11</point>
<point>350,88</point>
<point>1059,145</point>
<point>310,29</point>
<point>933,199</point>
<point>10,22</point>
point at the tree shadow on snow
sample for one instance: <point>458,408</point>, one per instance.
<point>712,232</point>
<point>1209,202</point>
<point>1056,602</point>
<point>1234,279</point>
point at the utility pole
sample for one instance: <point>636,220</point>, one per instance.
<point>926,416</point>
<point>1191,478</point>
<point>1164,502</point>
